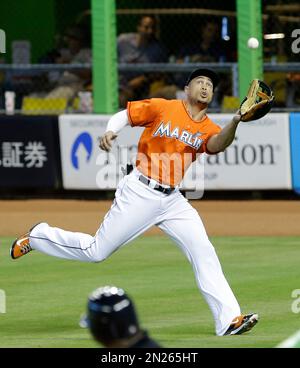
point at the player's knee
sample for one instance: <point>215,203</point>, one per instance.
<point>97,258</point>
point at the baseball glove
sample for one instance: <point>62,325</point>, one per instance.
<point>258,102</point>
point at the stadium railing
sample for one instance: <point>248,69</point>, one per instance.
<point>31,70</point>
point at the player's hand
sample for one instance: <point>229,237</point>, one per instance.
<point>237,117</point>
<point>106,140</point>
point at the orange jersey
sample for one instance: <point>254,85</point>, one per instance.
<point>171,138</point>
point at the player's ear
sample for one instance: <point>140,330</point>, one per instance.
<point>186,89</point>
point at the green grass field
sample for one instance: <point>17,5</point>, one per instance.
<point>46,296</point>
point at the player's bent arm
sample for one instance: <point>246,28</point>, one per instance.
<point>219,142</point>
<point>115,124</point>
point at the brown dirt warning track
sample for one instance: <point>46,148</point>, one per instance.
<point>223,218</point>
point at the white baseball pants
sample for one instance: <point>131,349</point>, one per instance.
<point>135,209</point>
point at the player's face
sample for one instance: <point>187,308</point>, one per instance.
<point>200,90</point>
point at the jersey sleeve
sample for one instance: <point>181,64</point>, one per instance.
<point>214,129</point>
<point>143,113</point>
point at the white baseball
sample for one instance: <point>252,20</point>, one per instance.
<point>253,43</point>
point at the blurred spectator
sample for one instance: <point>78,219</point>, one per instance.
<point>67,45</point>
<point>143,46</point>
<point>206,47</point>
<point>274,51</point>
<point>140,47</point>
<point>77,46</point>
<point>112,320</point>
<point>77,50</point>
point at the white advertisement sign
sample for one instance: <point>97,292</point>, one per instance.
<point>259,157</point>
<point>84,165</point>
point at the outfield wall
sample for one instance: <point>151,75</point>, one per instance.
<point>258,159</point>
<point>295,150</point>
<point>63,152</point>
<point>29,152</point>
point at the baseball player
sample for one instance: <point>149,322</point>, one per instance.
<point>176,131</point>
<point>112,320</point>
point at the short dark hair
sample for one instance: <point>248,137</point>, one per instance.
<point>204,73</point>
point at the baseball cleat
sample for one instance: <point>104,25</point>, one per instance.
<point>242,324</point>
<point>20,247</point>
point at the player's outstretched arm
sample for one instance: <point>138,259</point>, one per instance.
<point>115,124</point>
<point>220,141</point>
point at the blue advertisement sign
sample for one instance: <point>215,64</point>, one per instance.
<point>295,150</point>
